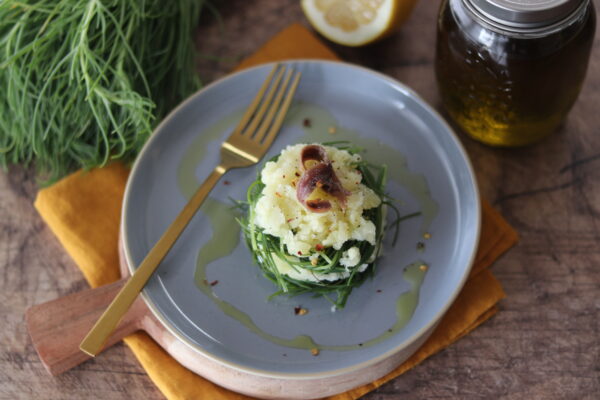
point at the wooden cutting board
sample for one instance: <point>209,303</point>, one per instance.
<point>58,326</point>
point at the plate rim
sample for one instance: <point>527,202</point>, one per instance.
<point>425,330</point>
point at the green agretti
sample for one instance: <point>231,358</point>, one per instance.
<point>265,248</point>
<point>84,82</point>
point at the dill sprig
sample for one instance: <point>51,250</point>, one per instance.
<point>267,250</point>
<point>84,82</point>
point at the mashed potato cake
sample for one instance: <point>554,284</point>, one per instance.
<point>315,220</point>
<point>279,213</point>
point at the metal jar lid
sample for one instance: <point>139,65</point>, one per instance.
<point>525,13</point>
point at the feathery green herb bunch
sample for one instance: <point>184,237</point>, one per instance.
<point>84,82</point>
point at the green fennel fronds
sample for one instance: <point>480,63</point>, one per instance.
<point>85,82</point>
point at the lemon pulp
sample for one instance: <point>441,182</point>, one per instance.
<point>356,22</point>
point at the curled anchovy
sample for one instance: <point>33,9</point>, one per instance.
<point>320,176</point>
<point>313,152</point>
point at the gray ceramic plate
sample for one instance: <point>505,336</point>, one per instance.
<point>396,127</point>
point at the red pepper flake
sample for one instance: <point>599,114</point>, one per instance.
<point>319,247</point>
<point>213,283</point>
<point>226,183</point>
<point>307,123</point>
<point>297,174</point>
<point>290,220</point>
<point>299,253</point>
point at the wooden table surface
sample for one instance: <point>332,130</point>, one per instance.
<point>543,344</point>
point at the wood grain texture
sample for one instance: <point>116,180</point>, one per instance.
<point>545,341</point>
<point>57,327</point>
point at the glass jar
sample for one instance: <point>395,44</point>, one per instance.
<point>509,71</point>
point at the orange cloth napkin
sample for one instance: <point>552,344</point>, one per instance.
<point>84,209</point>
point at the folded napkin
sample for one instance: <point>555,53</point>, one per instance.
<point>84,209</point>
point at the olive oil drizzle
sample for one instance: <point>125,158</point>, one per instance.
<point>226,232</point>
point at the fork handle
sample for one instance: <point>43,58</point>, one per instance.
<point>94,341</point>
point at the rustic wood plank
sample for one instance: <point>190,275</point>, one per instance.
<point>544,342</point>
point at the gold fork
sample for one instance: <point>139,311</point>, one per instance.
<point>247,144</point>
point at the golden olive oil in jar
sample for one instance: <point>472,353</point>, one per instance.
<point>509,71</point>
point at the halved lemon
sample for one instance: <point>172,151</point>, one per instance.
<point>356,22</point>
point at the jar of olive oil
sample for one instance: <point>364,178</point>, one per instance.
<point>509,71</point>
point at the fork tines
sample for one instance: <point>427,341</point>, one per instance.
<point>264,116</point>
